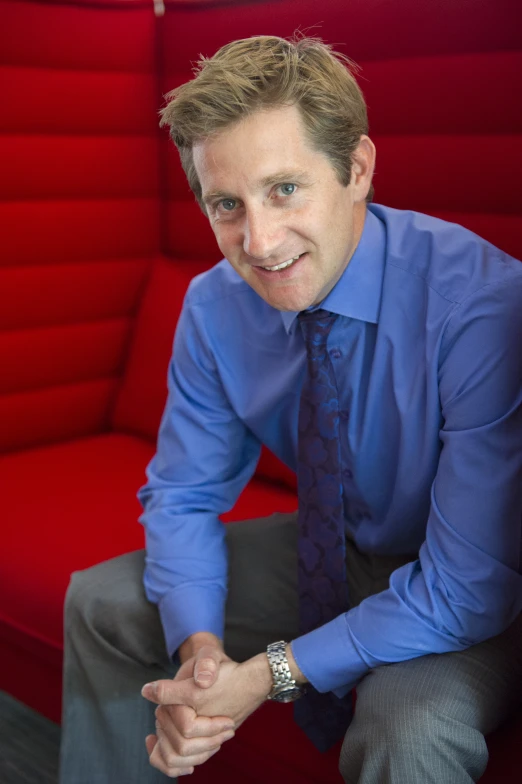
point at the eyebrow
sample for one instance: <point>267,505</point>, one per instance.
<point>271,179</point>
<point>283,176</point>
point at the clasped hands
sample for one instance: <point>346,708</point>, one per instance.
<point>201,708</point>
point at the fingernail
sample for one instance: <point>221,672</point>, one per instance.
<point>229,735</point>
<point>149,690</point>
<point>204,677</point>
<point>229,728</point>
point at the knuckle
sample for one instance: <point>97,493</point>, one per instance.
<point>187,729</point>
<point>198,698</point>
<point>161,692</point>
<point>183,747</point>
<point>171,760</point>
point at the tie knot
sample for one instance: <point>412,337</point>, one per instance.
<point>316,326</point>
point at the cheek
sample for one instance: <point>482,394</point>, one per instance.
<point>226,235</point>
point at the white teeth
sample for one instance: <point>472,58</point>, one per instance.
<point>283,264</point>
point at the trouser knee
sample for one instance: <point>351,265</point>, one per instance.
<point>86,604</point>
<point>403,725</point>
<point>108,614</point>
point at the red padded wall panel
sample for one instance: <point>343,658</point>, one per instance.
<point>33,359</point>
<point>458,94</point>
<point>478,173</point>
<point>55,414</point>
<point>80,183</point>
<point>51,232</point>
<point>79,167</point>
<point>189,233</point>
<point>366,29</point>
<point>65,102</point>
<point>73,293</point>
<point>80,38</point>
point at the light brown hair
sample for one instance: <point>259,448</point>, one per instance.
<point>264,72</point>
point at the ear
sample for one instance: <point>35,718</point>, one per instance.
<point>363,165</point>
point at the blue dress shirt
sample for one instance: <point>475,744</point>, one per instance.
<point>427,351</point>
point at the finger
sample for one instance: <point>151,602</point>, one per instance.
<point>189,725</point>
<point>206,666</point>
<point>150,742</point>
<point>181,736</point>
<point>157,761</point>
<point>168,692</point>
<point>174,763</point>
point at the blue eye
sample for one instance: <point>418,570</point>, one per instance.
<point>228,204</point>
<point>287,188</point>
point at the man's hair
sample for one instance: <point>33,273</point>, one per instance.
<point>266,72</point>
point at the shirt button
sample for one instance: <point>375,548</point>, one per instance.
<point>335,353</point>
<point>347,473</point>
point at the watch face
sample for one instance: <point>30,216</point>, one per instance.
<point>288,695</point>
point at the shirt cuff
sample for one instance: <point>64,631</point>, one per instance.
<point>328,658</point>
<point>190,609</point>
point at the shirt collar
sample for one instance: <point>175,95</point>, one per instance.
<point>357,293</point>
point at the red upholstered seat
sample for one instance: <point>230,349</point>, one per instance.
<point>100,237</point>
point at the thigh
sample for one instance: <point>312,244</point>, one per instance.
<point>107,602</point>
<point>262,601</point>
<point>106,609</point>
<point>478,687</point>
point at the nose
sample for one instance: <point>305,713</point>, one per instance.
<point>262,234</point>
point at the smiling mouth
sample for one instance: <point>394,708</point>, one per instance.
<point>283,265</point>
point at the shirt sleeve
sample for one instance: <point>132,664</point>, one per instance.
<point>205,457</point>
<point>466,584</point>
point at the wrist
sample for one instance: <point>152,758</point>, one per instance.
<point>297,675</point>
<point>195,642</point>
<point>262,674</point>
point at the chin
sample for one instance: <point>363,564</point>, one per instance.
<point>288,305</point>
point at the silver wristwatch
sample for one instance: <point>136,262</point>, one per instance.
<point>285,688</point>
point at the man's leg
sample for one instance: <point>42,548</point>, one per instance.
<point>424,720</point>
<point>114,644</point>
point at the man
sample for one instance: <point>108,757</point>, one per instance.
<point>377,352</point>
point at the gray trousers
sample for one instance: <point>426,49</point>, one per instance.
<point>422,720</point>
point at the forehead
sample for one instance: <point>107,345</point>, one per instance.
<point>252,151</point>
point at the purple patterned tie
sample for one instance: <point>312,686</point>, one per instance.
<point>323,593</point>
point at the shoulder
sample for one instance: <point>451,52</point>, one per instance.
<point>446,257</point>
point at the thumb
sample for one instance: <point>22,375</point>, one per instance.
<point>206,666</point>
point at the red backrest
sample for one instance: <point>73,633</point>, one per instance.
<point>79,210</point>
<point>92,192</point>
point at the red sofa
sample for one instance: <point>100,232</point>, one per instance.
<point>100,237</point>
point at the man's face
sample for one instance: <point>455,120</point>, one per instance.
<point>280,215</point>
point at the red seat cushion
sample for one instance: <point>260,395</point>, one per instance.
<point>93,517</point>
<point>52,533</point>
